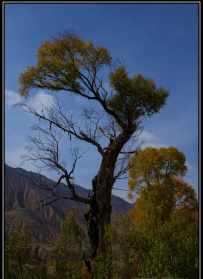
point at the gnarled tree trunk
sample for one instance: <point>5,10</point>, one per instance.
<point>99,215</point>
<point>99,221</point>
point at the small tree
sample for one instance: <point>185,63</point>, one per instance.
<point>129,248</point>
<point>17,252</point>
<point>173,250</point>
<point>69,64</point>
<point>68,249</point>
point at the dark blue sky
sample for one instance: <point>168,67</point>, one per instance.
<point>156,40</point>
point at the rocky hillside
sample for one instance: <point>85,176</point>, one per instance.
<point>22,203</point>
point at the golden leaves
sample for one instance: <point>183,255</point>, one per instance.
<point>157,172</point>
<point>153,165</point>
<point>27,78</point>
<point>61,61</point>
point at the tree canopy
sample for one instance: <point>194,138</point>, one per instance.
<point>155,165</point>
<point>157,174</point>
<point>71,64</point>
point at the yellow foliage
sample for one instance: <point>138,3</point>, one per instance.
<point>60,62</point>
<point>152,165</point>
<point>157,174</point>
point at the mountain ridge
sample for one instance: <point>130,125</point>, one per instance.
<point>23,203</point>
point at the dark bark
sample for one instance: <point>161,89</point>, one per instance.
<point>99,215</point>
<point>98,220</point>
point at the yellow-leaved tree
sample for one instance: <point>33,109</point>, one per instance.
<point>165,212</point>
<point>156,175</point>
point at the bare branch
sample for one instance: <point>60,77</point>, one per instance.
<point>44,148</point>
<point>59,120</point>
<point>57,195</point>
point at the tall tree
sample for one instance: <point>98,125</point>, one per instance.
<point>166,212</point>
<point>156,174</point>
<point>68,63</point>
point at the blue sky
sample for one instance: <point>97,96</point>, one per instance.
<point>159,41</point>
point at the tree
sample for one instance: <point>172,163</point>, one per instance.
<point>129,248</point>
<point>165,212</point>
<point>155,166</point>
<point>156,175</point>
<point>68,63</point>
<point>169,250</point>
<point>173,250</point>
<point>17,252</point>
<point>68,249</point>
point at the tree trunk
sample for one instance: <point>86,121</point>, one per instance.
<point>99,215</point>
<point>99,220</point>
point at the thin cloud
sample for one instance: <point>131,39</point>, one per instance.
<point>12,98</point>
<point>148,139</point>
<point>39,101</point>
<point>189,166</point>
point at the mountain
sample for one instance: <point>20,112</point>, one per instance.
<point>22,202</point>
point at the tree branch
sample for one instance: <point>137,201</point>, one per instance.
<point>68,128</point>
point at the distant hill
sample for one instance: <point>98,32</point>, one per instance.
<point>22,202</point>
